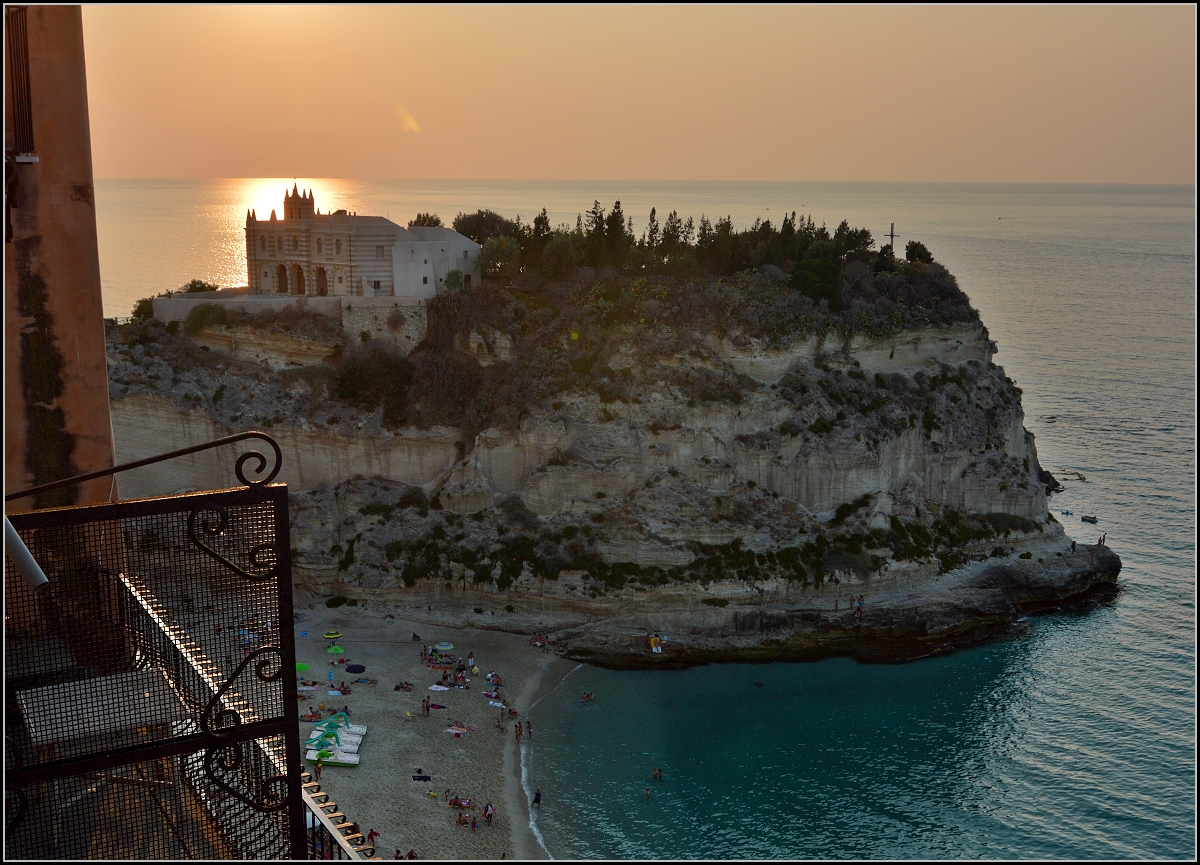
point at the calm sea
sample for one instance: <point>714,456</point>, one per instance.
<point>1076,741</point>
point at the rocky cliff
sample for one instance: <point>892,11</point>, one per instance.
<point>727,494</point>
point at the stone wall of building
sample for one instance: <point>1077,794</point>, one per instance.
<point>398,320</point>
<point>358,315</point>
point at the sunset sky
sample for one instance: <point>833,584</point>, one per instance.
<point>1062,94</point>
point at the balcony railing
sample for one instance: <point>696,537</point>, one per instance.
<point>150,688</point>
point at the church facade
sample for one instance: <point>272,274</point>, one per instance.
<point>309,253</point>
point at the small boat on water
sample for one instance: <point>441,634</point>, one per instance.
<point>1067,513</point>
<point>1092,520</point>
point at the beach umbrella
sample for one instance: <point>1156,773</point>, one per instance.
<point>355,668</point>
<point>444,646</point>
<point>332,635</point>
<point>301,666</point>
<point>323,754</point>
<point>335,650</point>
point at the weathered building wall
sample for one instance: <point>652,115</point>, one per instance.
<point>401,321</point>
<point>56,395</point>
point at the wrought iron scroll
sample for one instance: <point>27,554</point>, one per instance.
<point>222,761</point>
<point>229,718</point>
<point>239,466</point>
<point>271,794</point>
<point>200,522</point>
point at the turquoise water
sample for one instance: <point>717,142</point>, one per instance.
<point>1077,740</point>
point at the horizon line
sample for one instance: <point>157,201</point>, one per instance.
<point>1191,183</point>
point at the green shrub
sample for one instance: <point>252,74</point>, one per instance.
<point>821,426</point>
<point>1025,556</point>
<point>336,601</point>
<point>143,309</point>
<point>199,285</point>
<point>715,602</point>
<point>204,315</point>
<point>509,608</point>
<point>1005,524</point>
<point>844,511</point>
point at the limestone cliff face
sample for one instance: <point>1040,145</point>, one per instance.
<point>968,451</point>
<point>146,424</point>
<point>899,469</point>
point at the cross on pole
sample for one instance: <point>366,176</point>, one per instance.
<point>892,236</point>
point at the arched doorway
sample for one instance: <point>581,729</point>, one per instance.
<point>322,283</point>
<point>297,280</point>
<point>281,279</point>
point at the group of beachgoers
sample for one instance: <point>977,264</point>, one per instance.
<point>465,818</point>
<point>587,697</point>
<point>855,606</point>
<point>315,714</point>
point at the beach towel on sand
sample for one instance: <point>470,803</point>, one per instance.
<point>438,688</point>
<point>436,706</point>
<point>497,704</point>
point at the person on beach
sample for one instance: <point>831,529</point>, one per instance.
<point>528,729</point>
<point>371,836</point>
<point>537,798</point>
<point>648,796</point>
<point>474,824</point>
<point>412,854</point>
<point>520,732</point>
<point>397,856</point>
<point>1072,546</point>
<point>835,605</point>
<point>471,659</point>
<point>317,771</point>
<point>489,811</point>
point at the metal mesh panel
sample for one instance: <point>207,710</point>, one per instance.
<point>155,674</point>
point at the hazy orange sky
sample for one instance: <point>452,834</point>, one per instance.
<point>1061,94</point>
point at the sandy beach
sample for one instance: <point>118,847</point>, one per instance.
<point>483,765</point>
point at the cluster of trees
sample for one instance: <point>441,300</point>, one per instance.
<point>673,246</point>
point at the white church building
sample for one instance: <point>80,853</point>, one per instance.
<point>314,254</point>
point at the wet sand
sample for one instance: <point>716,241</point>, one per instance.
<point>482,765</point>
